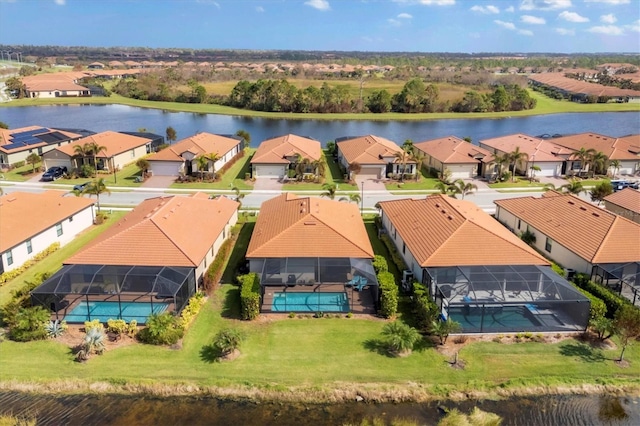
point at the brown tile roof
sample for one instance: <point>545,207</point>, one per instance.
<point>289,226</point>
<point>614,148</point>
<point>114,142</point>
<point>594,234</point>
<point>163,231</point>
<point>24,214</point>
<point>276,149</point>
<point>201,143</point>
<point>576,86</point>
<point>628,199</point>
<point>367,149</point>
<point>453,150</point>
<point>443,231</point>
<point>6,137</point>
<point>544,151</point>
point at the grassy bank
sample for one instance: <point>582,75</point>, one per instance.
<point>545,106</point>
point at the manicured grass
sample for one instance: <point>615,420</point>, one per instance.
<point>20,174</point>
<point>125,178</point>
<point>333,176</point>
<point>240,248</point>
<point>53,262</point>
<point>519,183</point>
<point>425,183</point>
<point>232,177</point>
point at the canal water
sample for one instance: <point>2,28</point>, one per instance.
<point>126,410</point>
<point>125,118</point>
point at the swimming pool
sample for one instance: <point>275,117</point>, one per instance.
<point>87,311</point>
<point>494,318</point>
<point>310,302</point>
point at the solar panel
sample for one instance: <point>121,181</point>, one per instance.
<point>33,141</point>
<point>29,133</point>
<point>13,146</point>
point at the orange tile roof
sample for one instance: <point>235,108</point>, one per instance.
<point>453,150</point>
<point>114,142</point>
<point>24,214</point>
<point>276,149</point>
<point>594,234</point>
<point>628,198</point>
<point>442,231</point>
<point>614,148</point>
<point>201,143</point>
<point>163,231</point>
<point>289,226</point>
<point>367,149</point>
<point>539,149</point>
<point>6,137</point>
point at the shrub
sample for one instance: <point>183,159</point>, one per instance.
<point>380,264</point>
<point>612,301</point>
<point>425,311</point>
<point>389,294</point>
<point>132,328</point>
<point>228,340</point>
<point>93,343</point>
<point>192,309</point>
<point>161,329</point>
<point>88,325</point>
<point>393,251</point>
<point>400,338</point>
<point>442,329</point>
<point>29,324</point>
<point>55,328</point>
<point>18,164</point>
<point>292,314</point>
<point>214,273</point>
<point>117,326</point>
<point>249,296</point>
<point>8,276</point>
<point>597,308</point>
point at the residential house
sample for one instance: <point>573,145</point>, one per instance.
<point>55,85</point>
<point>30,223</point>
<point>312,255</point>
<point>376,156</point>
<point>152,260</point>
<point>463,159</point>
<point>625,203</point>
<point>119,149</point>
<point>478,273</point>
<point>180,157</point>
<point>276,156</point>
<point>17,144</point>
<point>579,236</point>
<point>95,66</point>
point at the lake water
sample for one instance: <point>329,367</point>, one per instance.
<point>125,118</point>
<point>149,410</point>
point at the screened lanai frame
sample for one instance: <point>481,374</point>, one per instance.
<point>508,298</point>
<point>151,285</point>
<point>623,278</point>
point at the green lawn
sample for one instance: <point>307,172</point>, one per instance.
<point>20,174</point>
<point>125,178</point>
<point>333,175</point>
<point>232,177</point>
<point>519,183</point>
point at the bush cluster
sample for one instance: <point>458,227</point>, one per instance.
<point>9,275</point>
<point>393,251</point>
<point>215,270</point>
<point>388,294</point>
<point>249,296</point>
<point>425,310</point>
<point>613,301</point>
<point>161,329</point>
<point>380,264</point>
<point>192,309</point>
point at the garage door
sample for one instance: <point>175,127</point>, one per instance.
<point>57,162</point>
<point>269,171</point>
<point>164,168</point>
<point>462,172</point>
<point>369,173</point>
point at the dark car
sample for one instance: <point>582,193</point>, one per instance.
<point>54,173</point>
<point>620,184</point>
<point>80,187</point>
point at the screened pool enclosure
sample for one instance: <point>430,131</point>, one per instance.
<point>623,278</point>
<point>79,293</point>
<point>497,299</point>
<point>317,284</point>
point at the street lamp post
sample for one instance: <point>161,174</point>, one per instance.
<point>362,198</point>
<point>113,164</point>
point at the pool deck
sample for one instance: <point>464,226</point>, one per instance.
<point>360,302</point>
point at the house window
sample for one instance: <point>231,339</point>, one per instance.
<point>9,257</point>
<point>395,233</point>
<point>224,233</point>
<point>70,218</point>
<point>133,153</point>
<point>519,223</point>
<point>547,245</point>
<point>59,229</point>
<point>404,248</point>
<point>211,250</point>
<point>29,247</point>
<point>205,263</point>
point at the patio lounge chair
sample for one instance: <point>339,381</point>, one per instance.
<point>363,282</point>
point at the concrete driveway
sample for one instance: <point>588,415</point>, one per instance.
<point>267,184</point>
<point>158,182</point>
<point>371,184</point>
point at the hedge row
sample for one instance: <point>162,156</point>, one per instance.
<point>9,275</point>
<point>214,273</point>
<point>380,264</point>
<point>597,309</point>
<point>388,294</point>
<point>425,310</point>
<point>249,296</point>
<point>613,301</point>
<point>393,251</point>
<point>192,309</point>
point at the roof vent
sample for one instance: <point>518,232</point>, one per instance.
<point>583,208</point>
<point>571,202</point>
<point>595,214</point>
<point>309,223</point>
<point>449,217</point>
<point>438,205</point>
<point>443,211</point>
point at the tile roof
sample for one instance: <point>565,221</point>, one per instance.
<point>367,149</point>
<point>289,226</point>
<point>594,234</point>
<point>539,149</point>
<point>24,214</point>
<point>276,149</point>
<point>614,148</point>
<point>7,137</point>
<point>201,143</point>
<point>114,142</point>
<point>628,198</point>
<point>442,231</point>
<point>453,150</point>
<point>169,231</point>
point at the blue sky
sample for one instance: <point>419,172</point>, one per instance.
<point>567,26</point>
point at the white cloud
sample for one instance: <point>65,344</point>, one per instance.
<point>260,9</point>
<point>487,10</point>
<point>394,22</point>
<point>428,2</point>
<point>507,25</point>
<point>215,3</point>
<point>608,19</point>
<point>318,4</point>
<point>545,4</point>
<point>565,31</point>
<point>572,17</point>
<point>606,29</point>
<point>525,32</point>
<point>533,20</point>
<point>404,16</point>
<point>614,2</point>
<point>510,9</point>
<point>634,27</point>
<point>60,2</point>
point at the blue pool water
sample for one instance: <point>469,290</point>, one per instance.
<point>87,311</point>
<point>310,302</point>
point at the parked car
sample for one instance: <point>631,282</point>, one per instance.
<point>54,173</point>
<point>620,184</point>
<point>81,186</point>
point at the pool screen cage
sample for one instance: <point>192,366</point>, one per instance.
<point>496,299</point>
<point>623,278</point>
<point>76,284</point>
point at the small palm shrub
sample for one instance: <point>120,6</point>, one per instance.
<point>400,338</point>
<point>442,329</point>
<point>161,329</point>
<point>93,343</point>
<point>56,328</point>
<point>228,340</point>
<point>117,326</point>
<point>29,324</point>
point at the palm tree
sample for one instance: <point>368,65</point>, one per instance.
<point>330,190</point>
<point>400,337</point>
<point>171,134</point>
<point>598,162</point>
<point>583,155</point>
<point>573,187</point>
<point>320,167</point>
<point>403,156</point>
<point>239,195</point>
<point>444,188</point>
<point>212,157</point>
<point>464,188</point>
<point>302,165</point>
<point>95,148</point>
<point>33,159</point>
<point>616,166</point>
<point>500,160</point>
<point>203,165</point>
<point>246,137</point>
<point>417,156</point>
<point>228,340</point>
<point>515,157</point>
<point>442,329</point>
<point>534,168</point>
<point>352,198</point>
<point>97,187</point>
<point>82,151</point>
<point>354,169</point>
